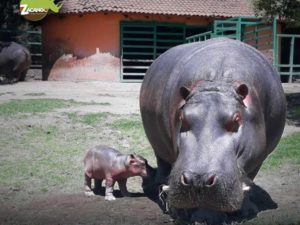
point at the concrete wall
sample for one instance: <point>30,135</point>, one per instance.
<point>70,43</point>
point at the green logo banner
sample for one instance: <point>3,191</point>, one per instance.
<point>35,10</point>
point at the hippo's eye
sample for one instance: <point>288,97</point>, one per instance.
<point>184,124</point>
<point>233,124</point>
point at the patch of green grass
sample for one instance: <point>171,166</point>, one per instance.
<point>93,118</point>
<point>89,118</point>
<point>287,151</point>
<point>34,106</point>
<point>127,124</point>
<point>41,160</point>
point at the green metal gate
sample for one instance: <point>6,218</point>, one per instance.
<point>142,42</point>
<point>287,67</point>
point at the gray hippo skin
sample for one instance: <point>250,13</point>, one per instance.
<point>15,61</point>
<point>103,162</point>
<point>212,112</point>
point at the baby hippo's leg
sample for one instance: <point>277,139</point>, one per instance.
<point>98,185</point>
<point>123,188</point>
<point>109,188</point>
<point>88,186</point>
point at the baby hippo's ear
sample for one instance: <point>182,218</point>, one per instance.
<point>130,159</point>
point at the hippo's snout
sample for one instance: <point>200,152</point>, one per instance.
<point>214,190</point>
<point>191,179</point>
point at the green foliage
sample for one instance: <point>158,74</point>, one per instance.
<point>288,10</point>
<point>288,150</point>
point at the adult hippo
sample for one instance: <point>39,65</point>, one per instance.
<point>15,61</point>
<point>212,112</point>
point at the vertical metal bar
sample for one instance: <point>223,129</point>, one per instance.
<point>291,64</point>
<point>154,40</point>
<point>215,28</point>
<point>256,36</point>
<point>121,51</point>
<point>184,32</point>
<point>239,29</point>
<point>275,44</point>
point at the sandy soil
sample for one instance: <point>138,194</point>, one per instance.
<point>283,184</point>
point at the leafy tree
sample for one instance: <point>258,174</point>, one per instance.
<point>12,24</point>
<point>286,10</point>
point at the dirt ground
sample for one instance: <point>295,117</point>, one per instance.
<point>72,207</point>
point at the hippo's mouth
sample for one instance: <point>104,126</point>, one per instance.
<point>226,196</point>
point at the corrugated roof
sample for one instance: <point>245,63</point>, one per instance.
<point>215,8</point>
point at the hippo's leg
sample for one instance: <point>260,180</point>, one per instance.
<point>163,172</point>
<point>88,186</point>
<point>23,75</point>
<point>98,186</point>
<point>109,188</point>
<point>155,188</point>
<point>254,172</point>
<point>123,187</point>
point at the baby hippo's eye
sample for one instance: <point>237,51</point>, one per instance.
<point>184,124</point>
<point>233,124</point>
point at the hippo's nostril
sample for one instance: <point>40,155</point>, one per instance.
<point>186,178</point>
<point>211,181</point>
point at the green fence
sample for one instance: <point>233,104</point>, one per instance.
<point>287,66</point>
<point>262,36</point>
<point>199,37</point>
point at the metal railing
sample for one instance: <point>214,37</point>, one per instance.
<point>199,37</point>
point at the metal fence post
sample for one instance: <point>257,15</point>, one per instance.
<point>291,60</point>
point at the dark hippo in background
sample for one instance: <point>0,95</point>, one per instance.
<point>15,61</point>
<point>212,112</point>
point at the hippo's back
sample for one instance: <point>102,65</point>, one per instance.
<point>218,59</point>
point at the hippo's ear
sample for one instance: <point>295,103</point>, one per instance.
<point>185,92</point>
<point>130,159</point>
<point>242,90</point>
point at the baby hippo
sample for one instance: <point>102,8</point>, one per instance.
<point>102,162</point>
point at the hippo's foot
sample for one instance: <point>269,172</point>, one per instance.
<point>89,193</point>
<point>110,198</point>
